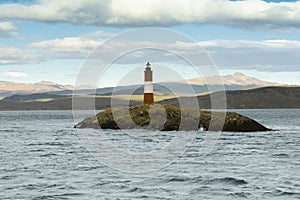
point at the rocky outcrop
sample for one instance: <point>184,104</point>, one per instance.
<point>169,118</point>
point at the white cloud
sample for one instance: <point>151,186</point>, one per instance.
<point>77,47</point>
<point>71,47</point>
<point>7,26</point>
<point>69,44</point>
<point>265,55</point>
<point>250,13</point>
<point>249,43</point>
<point>16,74</point>
<point>11,55</point>
<point>7,29</point>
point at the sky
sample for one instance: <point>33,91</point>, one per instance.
<point>51,40</point>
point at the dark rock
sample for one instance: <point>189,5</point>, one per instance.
<point>90,122</point>
<point>169,118</point>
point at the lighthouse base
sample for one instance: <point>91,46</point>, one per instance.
<point>148,98</point>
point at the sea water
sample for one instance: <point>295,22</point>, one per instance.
<point>43,157</point>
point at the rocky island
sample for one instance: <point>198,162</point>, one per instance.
<point>169,118</point>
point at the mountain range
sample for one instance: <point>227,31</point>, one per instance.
<point>272,97</point>
<point>236,81</point>
<point>241,92</point>
<point>232,79</point>
<point>10,88</point>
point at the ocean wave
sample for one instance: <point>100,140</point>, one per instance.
<point>240,194</point>
<point>199,179</point>
<point>280,192</point>
<point>230,180</point>
<point>281,155</point>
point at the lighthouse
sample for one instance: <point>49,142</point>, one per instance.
<point>148,86</point>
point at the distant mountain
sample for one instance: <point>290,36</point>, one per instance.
<point>238,79</point>
<point>61,103</point>
<point>33,97</point>
<point>10,88</point>
<point>258,98</point>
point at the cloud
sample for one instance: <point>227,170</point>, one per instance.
<point>266,55</point>
<point>71,47</point>
<point>77,47</point>
<point>69,44</point>
<point>230,44</point>
<point>12,55</point>
<point>7,30</point>
<point>16,74</point>
<point>248,13</point>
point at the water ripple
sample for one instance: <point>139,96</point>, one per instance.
<point>42,158</point>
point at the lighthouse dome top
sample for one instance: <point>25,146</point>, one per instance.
<point>148,68</point>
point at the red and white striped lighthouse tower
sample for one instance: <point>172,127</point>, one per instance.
<point>148,86</point>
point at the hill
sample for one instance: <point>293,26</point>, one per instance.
<point>10,88</point>
<point>258,98</point>
<point>236,81</point>
<point>232,79</point>
<point>33,97</point>
<point>61,103</point>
